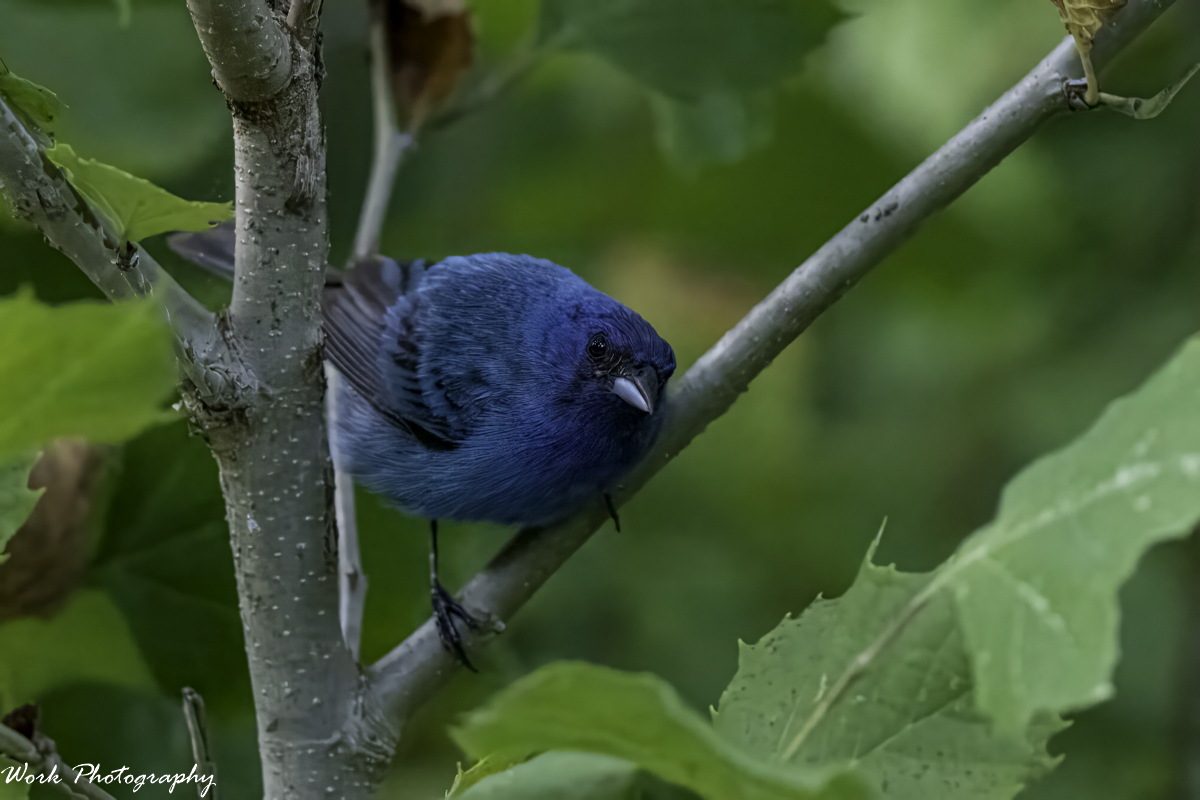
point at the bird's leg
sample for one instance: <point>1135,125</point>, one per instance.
<point>612,511</point>
<point>446,608</point>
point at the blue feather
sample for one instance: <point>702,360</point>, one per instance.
<point>493,400</point>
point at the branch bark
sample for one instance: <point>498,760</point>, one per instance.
<point>317,737</point>
<point>413,671</point>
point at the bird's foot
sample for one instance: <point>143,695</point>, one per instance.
<point>446,610</point>
<point>612,511</point>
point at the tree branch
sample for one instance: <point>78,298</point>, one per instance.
<point>247,45</point>
<point>317,737</point>
<point>352,580</point>
<point>42,757</point>
<point>406,677</point>
<point>197,726</point>
<point>390,143</point>
<point>39,194</point>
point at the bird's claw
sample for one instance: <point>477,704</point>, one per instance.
<point>445,610</point>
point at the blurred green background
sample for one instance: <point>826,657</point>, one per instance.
<point>998,333</point>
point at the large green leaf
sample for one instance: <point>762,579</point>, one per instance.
<point>140,95</point>
<point>907,722</point>
<point>88,641</point>
<point>688,48</point>
<point>639,718</point>
<point>11,791</point>
<point>720,127</point>
<point>1036,590</point>
<point>37,104</point>
<point>16,498</point>
<point>96,370</point>
<point>166,563</point>
<point>708,63</point>
<point>136,207</point>
<point>146,732</point>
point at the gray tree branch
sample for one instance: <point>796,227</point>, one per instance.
<point>317,737</point>
<point>408,676</point>
<point>38,193</point>
<point>390,143</point>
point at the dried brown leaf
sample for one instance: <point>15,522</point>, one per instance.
<point>1084,17</point>
<point>430,45</point>
<point>48,554</point>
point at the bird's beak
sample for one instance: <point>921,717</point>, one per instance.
<point>639,388</point>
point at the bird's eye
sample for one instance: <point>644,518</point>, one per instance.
<point>597,346</point>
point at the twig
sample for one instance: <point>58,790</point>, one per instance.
<point>197,725</point>
<point>41,756</point>
<point>38,193</point>
<point>352,580</point>
<point>390,142</point>
<point>409,674</point>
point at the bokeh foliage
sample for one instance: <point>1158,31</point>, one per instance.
<point>997,334</point>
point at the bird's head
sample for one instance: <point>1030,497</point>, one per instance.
<point>620,363</point>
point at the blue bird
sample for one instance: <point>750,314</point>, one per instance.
<point>487,387</point>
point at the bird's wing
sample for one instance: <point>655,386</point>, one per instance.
<point>369,338</point>
<point>211,249</point>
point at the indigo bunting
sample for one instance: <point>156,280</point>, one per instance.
<point>488,387</point>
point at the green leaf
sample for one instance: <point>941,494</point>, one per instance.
<point>689,48</point>
<point>561,776</point>
<point>16,498</point>
<point>907,722</point>
<point>720,127</point>
<point>140,96</point>
<point>136,208</point>
<point>97,370</point>
<point>709,64</point>
<point>483,768</point>
<point>639,718</point>
<point>37,104</point>
<point>88,641</point>
<point>145,731</point>
<point>11,791</point>
<point>166,562</point>
<point>1036,590</point>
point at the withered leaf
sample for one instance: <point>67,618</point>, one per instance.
<point>1084,17</point>
<point>48,554</point>
<point>22,719</point>
<point>429,47</point>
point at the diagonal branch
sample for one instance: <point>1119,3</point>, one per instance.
<point>38,193</point>
<point>408,676</point>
